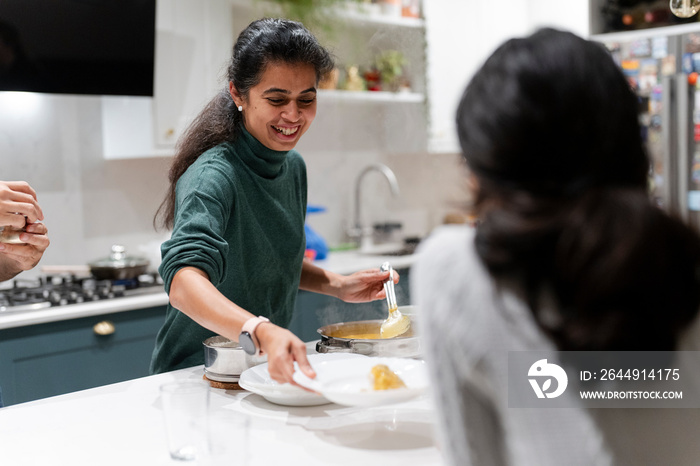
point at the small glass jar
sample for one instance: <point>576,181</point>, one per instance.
<point>10,234</point>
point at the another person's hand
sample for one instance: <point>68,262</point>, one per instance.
<point>26,256</point>
<point>283,348</point>
<point>365,285</point>
<point>18,204</point>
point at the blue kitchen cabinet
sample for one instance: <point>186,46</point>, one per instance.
<point>43,360</point>
<point>314,310</point>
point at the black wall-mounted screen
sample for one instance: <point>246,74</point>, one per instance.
<point>93,47</point>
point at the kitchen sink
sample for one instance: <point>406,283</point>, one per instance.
<point>405,248</point>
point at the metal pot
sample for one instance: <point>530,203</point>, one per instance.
<point>118,265</point>
<point>225,360</point>
<point>338,338</point>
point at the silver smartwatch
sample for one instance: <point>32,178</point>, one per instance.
<point>247,338</point>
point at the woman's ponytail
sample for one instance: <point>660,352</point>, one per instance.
<point>218,122</point>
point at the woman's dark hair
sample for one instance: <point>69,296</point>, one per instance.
<point>264,41</point>
<point>549,126</point>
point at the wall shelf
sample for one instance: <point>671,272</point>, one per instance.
<point>625,36</point>
<point>327,95</point>
<point>354,12</point>
<point>360,17</point>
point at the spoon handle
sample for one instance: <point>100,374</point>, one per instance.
<point>389,288</point>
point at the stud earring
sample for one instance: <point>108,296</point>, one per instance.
<point>240,108</point>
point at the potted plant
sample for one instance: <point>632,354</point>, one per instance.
<point>316,15</point>
<point>390,65</point>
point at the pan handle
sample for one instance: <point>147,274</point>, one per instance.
<point>321,348</point>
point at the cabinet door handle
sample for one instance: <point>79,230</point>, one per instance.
<point>103,328</point>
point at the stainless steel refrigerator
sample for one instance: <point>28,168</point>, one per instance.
<point>662,65</point>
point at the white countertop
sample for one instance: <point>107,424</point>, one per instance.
<point>344,262</point>
<point>121,424</point>
<point>75,311</point>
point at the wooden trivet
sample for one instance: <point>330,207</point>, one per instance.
<point>222,385</point>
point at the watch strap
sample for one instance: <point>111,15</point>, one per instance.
<point>250,326</point>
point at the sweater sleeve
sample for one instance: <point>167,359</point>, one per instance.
<point>204,199</point>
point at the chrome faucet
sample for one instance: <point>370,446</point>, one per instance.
<point>358,232</point>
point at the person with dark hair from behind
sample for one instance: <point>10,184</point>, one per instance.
<point>237,204</point>
<point>568,254</point>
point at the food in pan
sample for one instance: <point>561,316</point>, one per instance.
<point>385,378</point>
<point>363,336</point>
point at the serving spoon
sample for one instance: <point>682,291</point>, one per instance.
<point>396,324</point>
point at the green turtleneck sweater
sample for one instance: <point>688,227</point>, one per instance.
<point>239,217</point>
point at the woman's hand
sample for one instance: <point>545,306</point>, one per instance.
<point>360,287</point>
<point>283,348</point>
<point>365,285</point>
<point>17,201</point>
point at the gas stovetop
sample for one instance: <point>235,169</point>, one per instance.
<point>60,290</point>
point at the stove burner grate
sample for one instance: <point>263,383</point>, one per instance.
<point>60,290</point>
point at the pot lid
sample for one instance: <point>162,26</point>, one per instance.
<point>118,259</point>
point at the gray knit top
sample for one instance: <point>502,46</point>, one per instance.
<point>469,326</point>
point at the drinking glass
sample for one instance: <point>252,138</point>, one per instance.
<point>185,407</point>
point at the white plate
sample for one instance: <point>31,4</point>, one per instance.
<point>348,382</point>
<point>257,380</point>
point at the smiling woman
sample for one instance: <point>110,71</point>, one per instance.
<point>237,205</point>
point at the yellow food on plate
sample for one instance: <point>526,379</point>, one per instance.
<point>385,378</point>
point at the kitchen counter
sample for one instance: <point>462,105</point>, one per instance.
<point>75,311</point>
<point>344,262</point>
<point>122,424</point>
